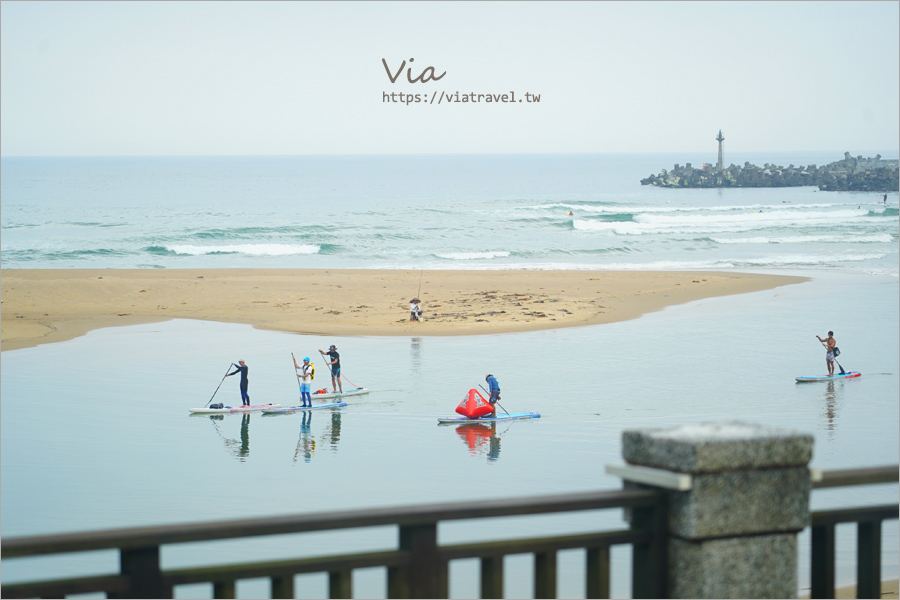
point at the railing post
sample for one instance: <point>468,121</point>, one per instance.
<point>492,577</point>
<point>141,566</point>
<point>283,586</point>
<point>822,562</point>
<point>737,496</point>
<point>340,584</point>
<point>426,574</point>
<point>868,559</point>
<point>598,572</point>
<point>545,575</point>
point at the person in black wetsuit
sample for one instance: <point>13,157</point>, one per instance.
<point>242,369</point>
<point>335,365</point>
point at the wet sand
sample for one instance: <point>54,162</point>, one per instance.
<point>52,305</point>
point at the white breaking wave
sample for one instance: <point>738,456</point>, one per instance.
<point>472,255</point>
<point>804,239</point>
<point>251,249</point>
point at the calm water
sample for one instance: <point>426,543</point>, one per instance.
<point>95,432</point>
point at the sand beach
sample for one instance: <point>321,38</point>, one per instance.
<point>51,305</point>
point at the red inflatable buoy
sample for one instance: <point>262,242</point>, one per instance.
<point>474,405</point>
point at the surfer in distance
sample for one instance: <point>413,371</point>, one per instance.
<point>243,369</point>
<point>829,344</point>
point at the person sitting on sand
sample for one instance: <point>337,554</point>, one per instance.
<point>829,344</point>
<point>242,369</point>
<point>335,365</point>
<point>415,310</point>
<point>494,389</point>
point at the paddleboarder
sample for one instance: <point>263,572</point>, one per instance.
<point>494,389</point>
<point>306,372</point>
<point>242,369</point>
<point>829,344</point>
<point>335,365</point>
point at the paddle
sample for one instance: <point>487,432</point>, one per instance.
<point>298,377</point>
<point>498,402</point>
<point>840,367</point>
<point>220,385</point>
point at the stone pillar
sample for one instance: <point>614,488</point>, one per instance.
<point>733,533</point>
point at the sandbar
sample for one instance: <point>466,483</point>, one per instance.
<point>39,306</point>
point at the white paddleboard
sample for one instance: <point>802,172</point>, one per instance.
<point>847,375</point>
<point>232,409</point>
<point>292,409</point>
<point>356,392</point>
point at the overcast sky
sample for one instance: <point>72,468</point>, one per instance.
<point>236,78</point>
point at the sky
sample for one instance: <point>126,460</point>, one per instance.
<point>297,78</point>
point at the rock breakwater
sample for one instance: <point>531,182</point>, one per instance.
<point>850,174</point>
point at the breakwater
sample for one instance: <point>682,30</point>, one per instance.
<point>850,174</point>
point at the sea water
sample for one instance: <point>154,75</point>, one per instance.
<point>96,433</point>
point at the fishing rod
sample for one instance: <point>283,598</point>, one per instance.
<point>217,388</point>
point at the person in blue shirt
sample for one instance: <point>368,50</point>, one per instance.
<point>242,369</point>
<point>494,389</point>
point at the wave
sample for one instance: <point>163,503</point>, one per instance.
<point>804,239</point>
<point>472,255</point>
<point>249,249</point>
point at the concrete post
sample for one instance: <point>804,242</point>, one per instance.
<point>738,495</point>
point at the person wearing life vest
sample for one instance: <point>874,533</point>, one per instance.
<point>494,389</point>
<point>306,373</point>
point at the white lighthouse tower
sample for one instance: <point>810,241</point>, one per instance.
<point>721,164</point>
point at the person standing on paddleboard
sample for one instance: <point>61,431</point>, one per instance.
<point>494,389</point>
<point>306,374</point>
<point>335,365</point>
<point>829,344</point>
<point>242,369</point>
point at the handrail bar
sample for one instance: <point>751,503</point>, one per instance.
<point>141,537</point>
<point>882,512</point>
<point>866,476</point>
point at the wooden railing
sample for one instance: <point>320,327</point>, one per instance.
<point>417,568</point>
<point>868,541</point>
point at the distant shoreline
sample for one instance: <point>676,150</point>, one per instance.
<point>53,305</point>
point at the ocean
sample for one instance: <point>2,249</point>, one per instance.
<point>433,212</point>
<point>95,431</point>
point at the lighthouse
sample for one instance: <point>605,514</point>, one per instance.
<point>720,138</point>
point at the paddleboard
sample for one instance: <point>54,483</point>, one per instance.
<point>848,375</point>
<point>292,409</point>
<point>356,392</point>
<point>233,409</point>
<point>502,417</point>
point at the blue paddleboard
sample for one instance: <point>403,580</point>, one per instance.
<point>503,417</point>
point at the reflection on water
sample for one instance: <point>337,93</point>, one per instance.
<point>307,442</point>
<point>415,355</point>
<point>481,438</point>
<point>333,430</point>
<point>830,405</point>
<point>240,449</point>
